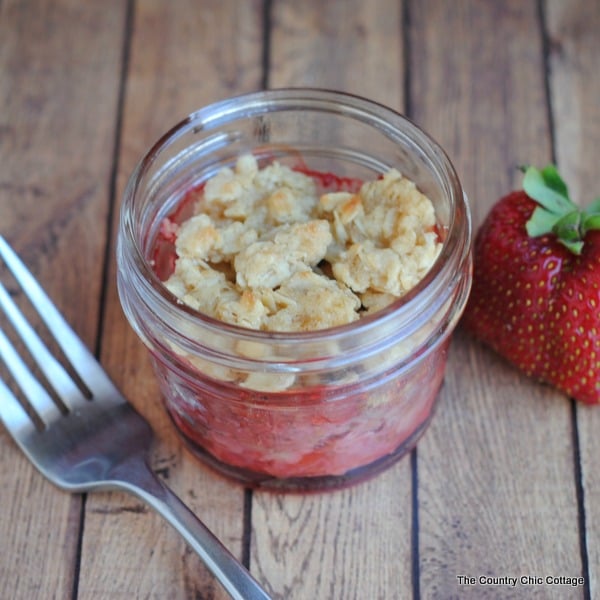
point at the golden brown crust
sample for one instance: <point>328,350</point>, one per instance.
<point>265,251</point>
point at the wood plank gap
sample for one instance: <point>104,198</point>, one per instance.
<point>266,38</point>
<point>580,493</point>
<point>405,27</point>
<point>547,71</point>
<point>414,534</point>
<point>106,255</point>
<point>79,548</point>
<point>112,199</point>
<point>247,529</point>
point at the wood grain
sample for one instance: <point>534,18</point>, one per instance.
<point>574,48</point>
<point>481,512</point>
<point>353,543</point>
<point>58,96</point>
<point>356,47</point>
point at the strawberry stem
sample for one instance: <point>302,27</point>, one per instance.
<point>556,213</point>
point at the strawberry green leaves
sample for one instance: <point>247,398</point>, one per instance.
<point>556,213</point>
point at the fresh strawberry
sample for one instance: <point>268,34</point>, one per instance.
<point>536,285</point>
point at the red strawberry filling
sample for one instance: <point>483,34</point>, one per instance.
<point>303,433</point>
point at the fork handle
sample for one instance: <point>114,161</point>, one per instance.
<point>234,577</point>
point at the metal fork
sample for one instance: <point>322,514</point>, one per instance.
<point>94,443</point>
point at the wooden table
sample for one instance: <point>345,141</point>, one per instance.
<point>505,483</point>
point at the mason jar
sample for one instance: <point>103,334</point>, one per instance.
<point>309,410</point>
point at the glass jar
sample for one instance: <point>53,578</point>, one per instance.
<point>309,410</point>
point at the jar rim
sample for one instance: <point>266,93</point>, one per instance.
<point>455,248</point>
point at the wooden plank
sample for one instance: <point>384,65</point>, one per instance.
<point>338,545</point>
<point>495,474</point>
<point>574,48</point>
<point>354,47</point>
<point>180,59</point>
<point>58,95</point>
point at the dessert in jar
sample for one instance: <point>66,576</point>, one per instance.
<point>296,260</point>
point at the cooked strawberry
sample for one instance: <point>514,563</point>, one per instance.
<point>536,285</point>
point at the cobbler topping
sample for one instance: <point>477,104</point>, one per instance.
<point>266,249</point>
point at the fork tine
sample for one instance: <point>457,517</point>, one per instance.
<point>12,414</point>
<point>81,359</point>
<point>37,396</point>
<point>56,375</point>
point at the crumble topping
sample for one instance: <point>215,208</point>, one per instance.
<point>264,250</point>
